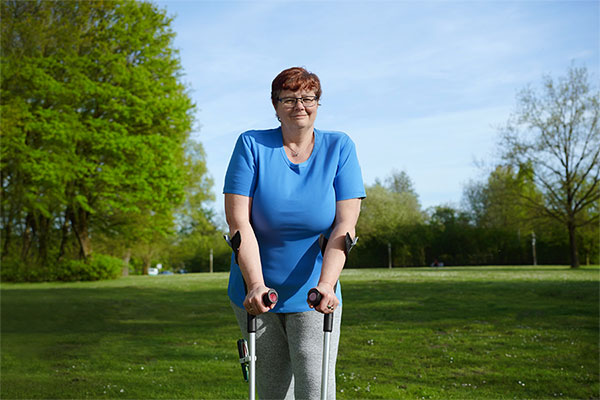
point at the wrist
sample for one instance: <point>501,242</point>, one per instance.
<point>326,285</point>
<point>256,285</point>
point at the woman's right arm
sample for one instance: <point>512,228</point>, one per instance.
<point>237,213</point>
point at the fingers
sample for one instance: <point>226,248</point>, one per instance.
<point>329,301</point>
<point>253,302</point>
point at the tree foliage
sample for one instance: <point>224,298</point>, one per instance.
<point>95,127</point>
<point>554,132</point>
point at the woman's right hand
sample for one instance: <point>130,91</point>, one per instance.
<point>253,303</point>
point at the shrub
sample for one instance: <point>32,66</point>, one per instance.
<point>97,267</point>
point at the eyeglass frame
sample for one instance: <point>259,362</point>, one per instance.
<point>301,99</point>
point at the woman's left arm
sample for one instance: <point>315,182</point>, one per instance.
<point>346,216</point>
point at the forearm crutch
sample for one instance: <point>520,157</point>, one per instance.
<point>314,298</point>
<point>268,298</point>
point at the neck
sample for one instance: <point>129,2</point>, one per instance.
<point>298,145</point>
<point>298,137</point>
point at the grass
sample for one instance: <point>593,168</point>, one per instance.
<point>419,333</point>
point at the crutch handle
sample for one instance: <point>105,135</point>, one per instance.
<point>314,298</point>
<point>268,298</point>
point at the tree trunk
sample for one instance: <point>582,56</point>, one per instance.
<point>65,235</point>
<point>43,235</point>
<point>147,262</point>
<point>573,245</point>
<point>7,233</point>
<point>27,236</point>
<point>126,259</point>
<point>79,222</point>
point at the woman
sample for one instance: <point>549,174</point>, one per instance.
<point>283,188</point>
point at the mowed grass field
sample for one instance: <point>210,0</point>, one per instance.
<point>419,333</point>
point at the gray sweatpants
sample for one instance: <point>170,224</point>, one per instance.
<point>289,351</point>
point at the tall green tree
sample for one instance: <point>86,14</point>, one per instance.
<point>554,132</point>
<point>390,215</point>
<point>95,123</point>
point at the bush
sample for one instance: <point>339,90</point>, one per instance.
<point>97,267</point>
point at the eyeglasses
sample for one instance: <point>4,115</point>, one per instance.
<point>307,101</point>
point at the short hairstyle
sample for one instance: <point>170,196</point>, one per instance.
<point>295,78</point>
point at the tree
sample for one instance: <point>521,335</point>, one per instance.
<point>390,214</point>
<point>95,125</point>
<point>554,133</point>
<point>400,182</point>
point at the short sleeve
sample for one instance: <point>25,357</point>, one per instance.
<point>348,181</point>
<point>241,172</point>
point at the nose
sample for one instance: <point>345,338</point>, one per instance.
<point>299,104</point>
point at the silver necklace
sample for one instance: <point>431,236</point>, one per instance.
<point>297,153</point>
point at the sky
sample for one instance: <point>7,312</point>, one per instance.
<point>419,86</point>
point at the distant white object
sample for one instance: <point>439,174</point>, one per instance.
<point>159,266</point>
<point>152,271</point>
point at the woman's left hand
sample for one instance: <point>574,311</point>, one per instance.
<point>329,300</point>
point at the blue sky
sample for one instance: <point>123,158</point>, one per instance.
<point>420,86</point>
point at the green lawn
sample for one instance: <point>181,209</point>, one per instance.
<point>418,333</point>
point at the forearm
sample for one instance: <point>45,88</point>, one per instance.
<point>237,212</point>
<point>248,255</point>
<point>334,257</point>
<point>335,254</point>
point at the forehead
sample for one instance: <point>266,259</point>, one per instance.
<point>297,93</point>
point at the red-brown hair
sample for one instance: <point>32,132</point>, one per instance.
<point>295,78</point>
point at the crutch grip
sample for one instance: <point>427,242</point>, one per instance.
<point>268,298</point>
<point>314,298</point>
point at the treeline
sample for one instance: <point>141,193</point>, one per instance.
<point>541,204</point>
<point>493,226</point>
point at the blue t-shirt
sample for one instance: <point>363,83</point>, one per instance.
<point>292,204</point>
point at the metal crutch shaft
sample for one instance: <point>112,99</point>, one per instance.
<point>268,298</point>
<point>314,298</point>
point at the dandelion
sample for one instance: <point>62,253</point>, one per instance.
<point>122,390</point>
<point>142,368</point>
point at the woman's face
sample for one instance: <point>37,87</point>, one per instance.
<point>297,116</point>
